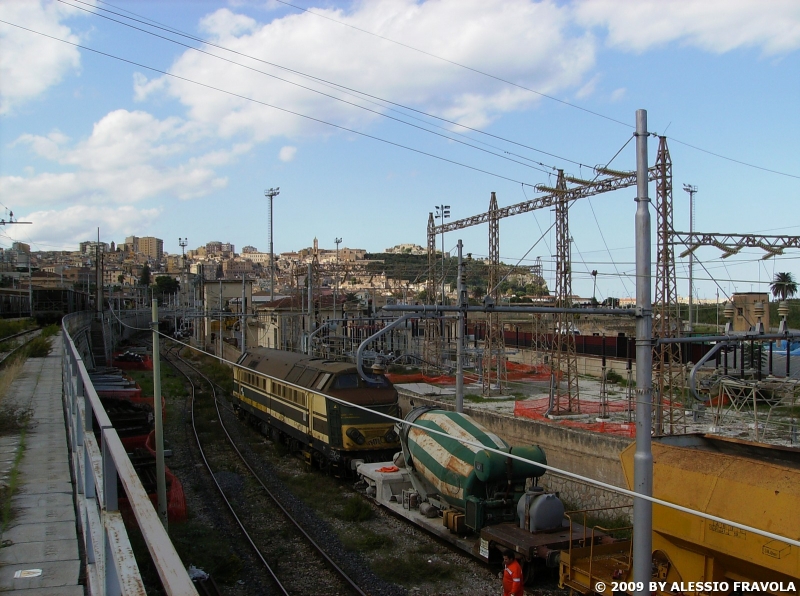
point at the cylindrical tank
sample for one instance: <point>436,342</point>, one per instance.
<point>450,467</point>
<point>545,511</point>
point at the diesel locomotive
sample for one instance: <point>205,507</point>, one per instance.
<point>287,396</point>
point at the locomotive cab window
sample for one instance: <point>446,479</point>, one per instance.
<point>376,381</point>
<point>348,381</point>
<point>323,380</point>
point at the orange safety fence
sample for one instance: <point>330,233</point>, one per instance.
<point>535,410</point>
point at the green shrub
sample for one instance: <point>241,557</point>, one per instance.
<point>613,376</point>
<point>39,347</point>
<point>50,331</point>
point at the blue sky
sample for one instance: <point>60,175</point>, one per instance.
<point>87,141</point>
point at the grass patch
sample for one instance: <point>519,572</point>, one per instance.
<point>39,347</point>
<point>11,327</point>
<point>6,492</point>
<point>412,569</point>
<point>50,331</point>
<point>11,419</point>
<point>367,540</point>
<point>356,510</point>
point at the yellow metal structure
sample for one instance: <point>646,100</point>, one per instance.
<point>752,484</point>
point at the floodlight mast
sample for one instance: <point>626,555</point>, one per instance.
<point>271,194</point>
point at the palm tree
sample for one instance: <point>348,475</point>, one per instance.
<point>783,286</point>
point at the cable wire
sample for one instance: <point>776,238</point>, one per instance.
<point>286,110</point>
<point>360,94</point>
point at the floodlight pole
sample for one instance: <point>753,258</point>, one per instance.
<point>337,241</point>
<point>271,194</point>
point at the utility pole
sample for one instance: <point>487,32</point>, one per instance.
<point>462,303</point>
<point>161,484</point>
<point>338,241</point>
<point>691,190</point>
<point>184,296</point>
<point>643,458</point>
<point>271,194</point>
<point>310,307</point>
<point>243,324</point>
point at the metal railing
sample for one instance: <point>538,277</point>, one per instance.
<point>98,463</point>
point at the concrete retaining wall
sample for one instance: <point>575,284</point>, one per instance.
<point>582,452</point>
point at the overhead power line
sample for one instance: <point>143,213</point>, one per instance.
<point>350,90</point>
<point>475,70</point>
<point>269,105</point>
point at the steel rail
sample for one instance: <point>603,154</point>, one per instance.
<point>20,346</point>
<point>258,553</point>
<point>338,570</point>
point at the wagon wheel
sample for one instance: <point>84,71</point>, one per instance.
<point>527,572</point>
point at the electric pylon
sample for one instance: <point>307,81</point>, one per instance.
<point>564,361</point>
<point>494,346</point>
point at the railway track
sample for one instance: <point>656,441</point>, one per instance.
<point>329,578</point>
<point>32,333</point>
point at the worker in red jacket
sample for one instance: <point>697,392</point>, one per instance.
<point>512,575</point>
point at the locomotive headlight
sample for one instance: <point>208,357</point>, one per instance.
<point>390,436</point>
<point>356,435</point>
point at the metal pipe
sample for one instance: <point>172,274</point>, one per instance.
<point>643,458</point>
<point>696,367</point>
<point>710,338</point>
<point>373,337</point>
<point>161,483</point>
<point>435,308</point>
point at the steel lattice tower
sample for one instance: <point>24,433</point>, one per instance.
<point>667,383</point>
<point>494,346</point>
<point>564,362</point>
<point>430,347</point>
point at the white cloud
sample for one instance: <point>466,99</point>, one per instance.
<point>68,227</point>
<point>143,88</point>
<point>589,88</point>
<point>532,46</point>
<point>287,153</point>
<point>31,63</point>
<point>712,25</point>
<point>130,156</point>
<point>618,94</point>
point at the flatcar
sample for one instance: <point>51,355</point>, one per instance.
<point>287,396</point>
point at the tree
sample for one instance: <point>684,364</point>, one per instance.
<point>166,285</point>
<point>783,286</point>
<point>144,278</point>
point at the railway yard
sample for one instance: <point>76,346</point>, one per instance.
<point>381,554</point>
<point>547,387</point>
